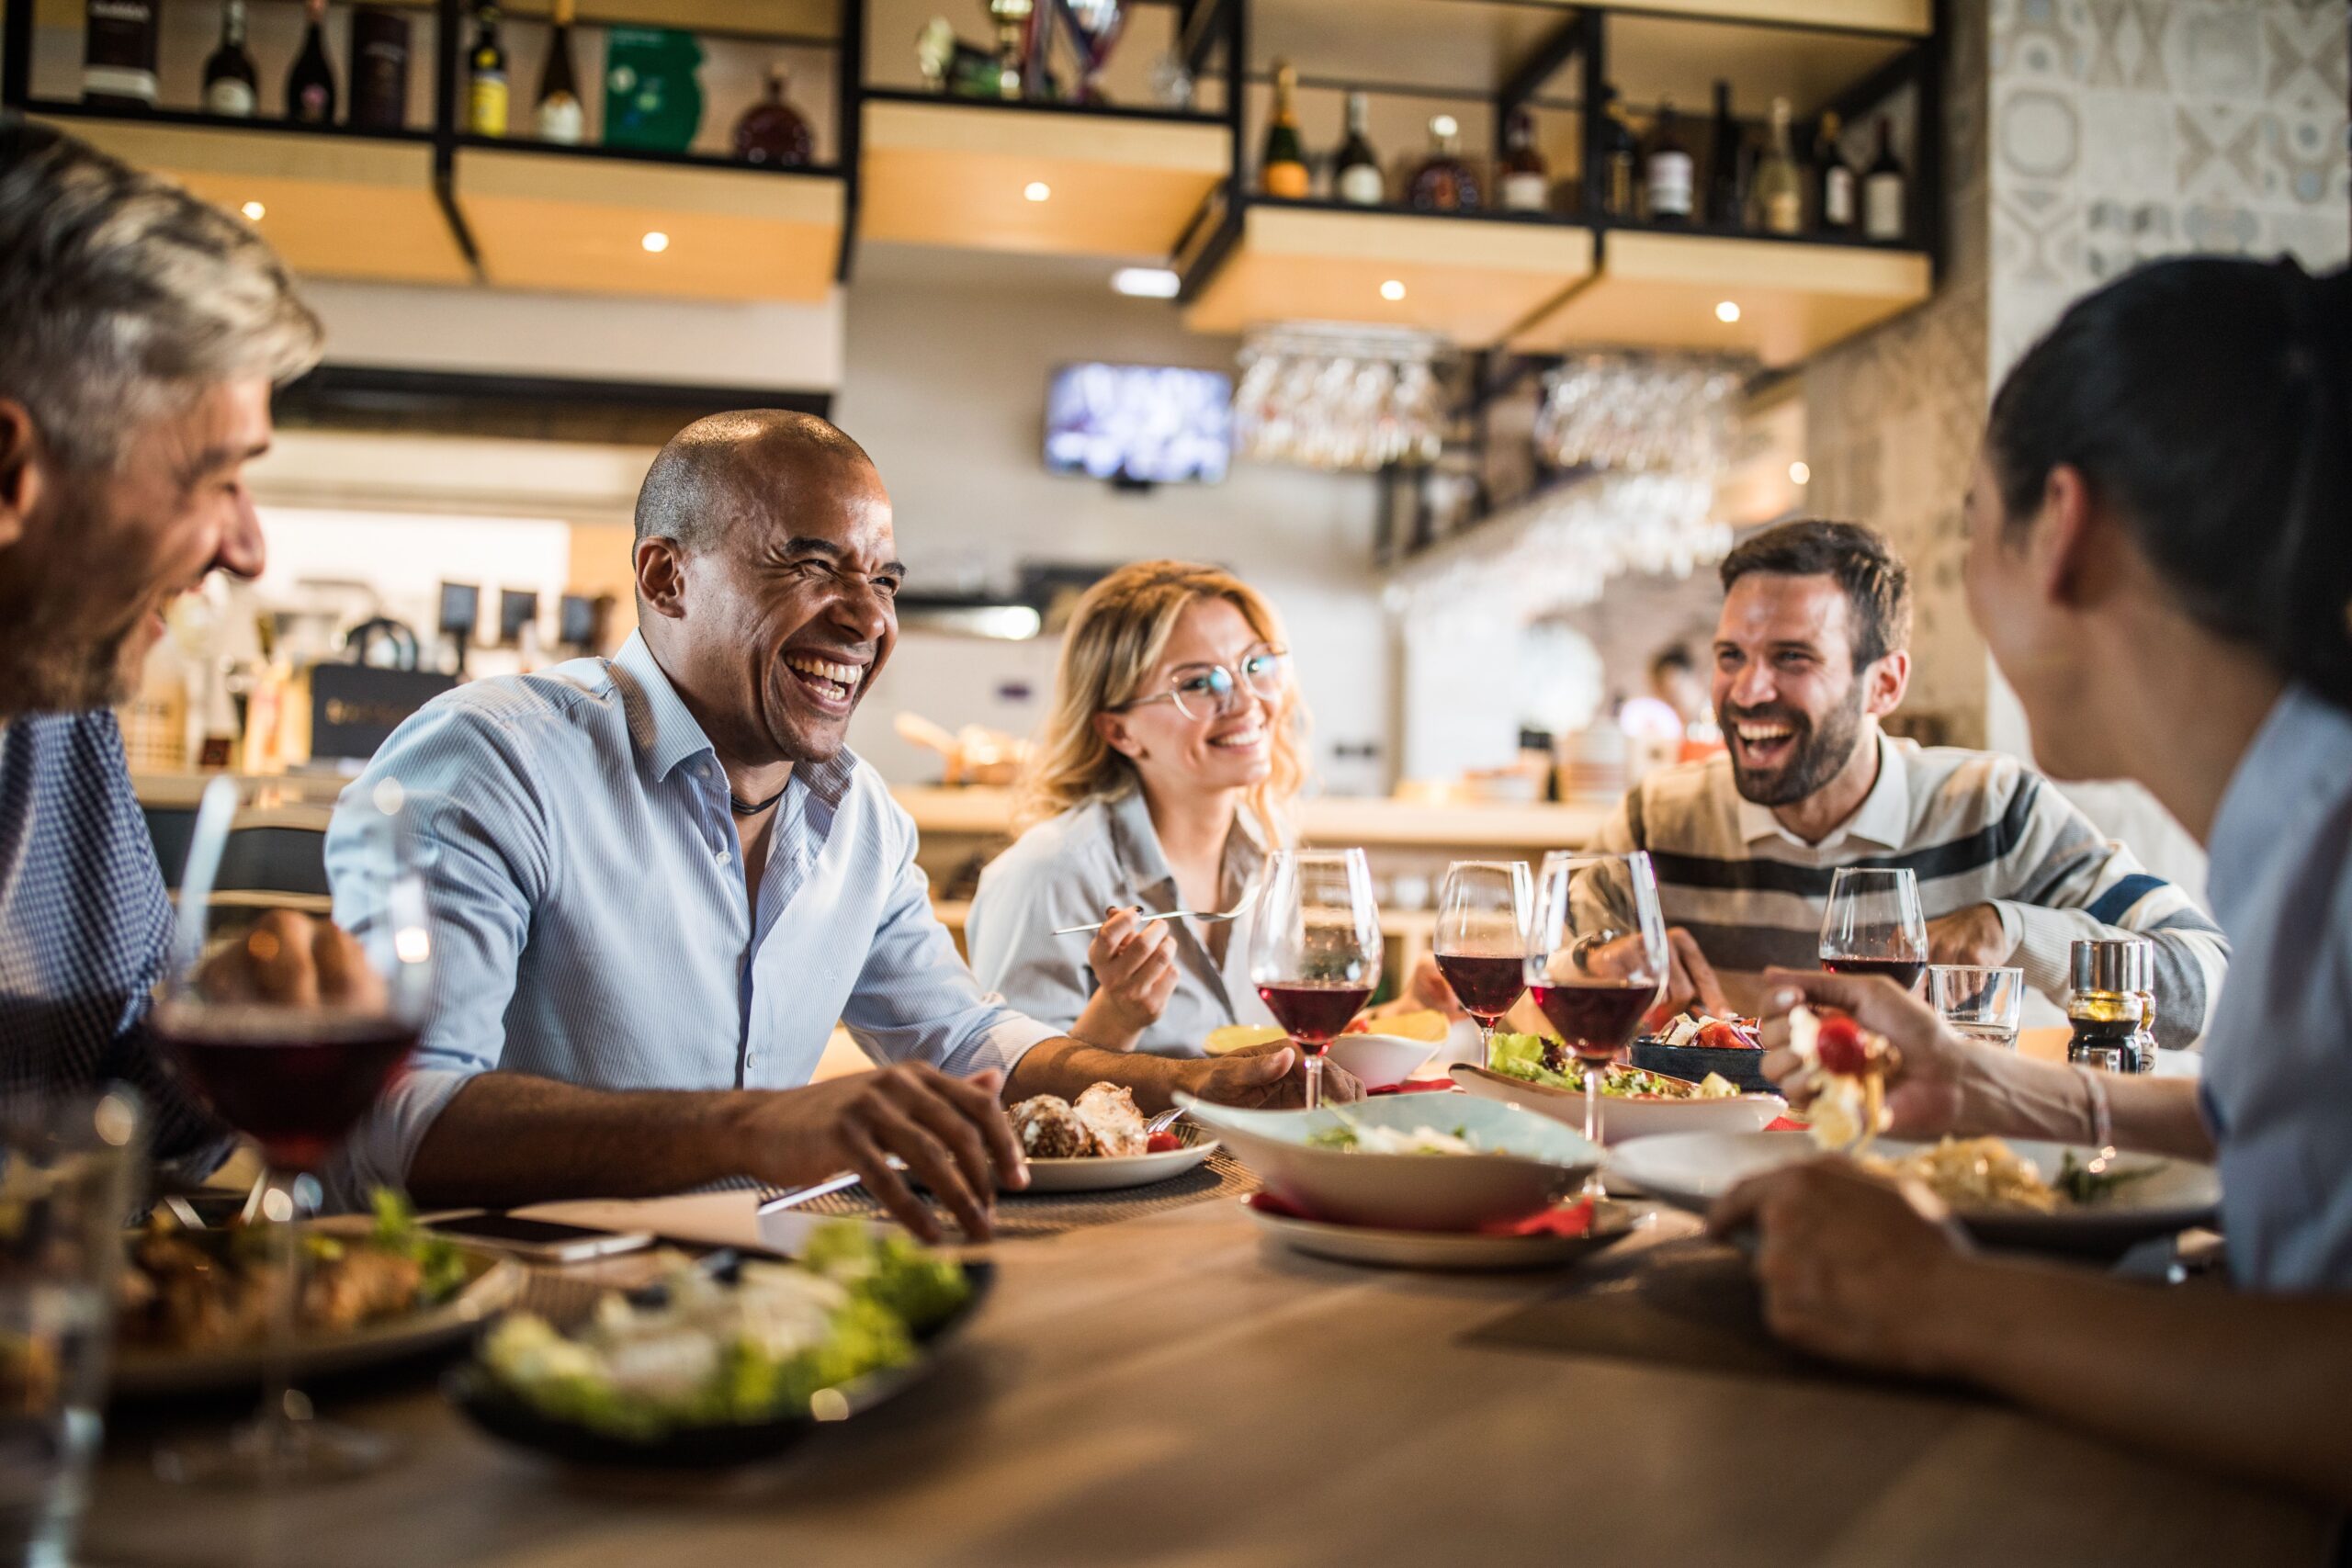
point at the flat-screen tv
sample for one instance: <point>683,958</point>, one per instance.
<point>1139,423</point>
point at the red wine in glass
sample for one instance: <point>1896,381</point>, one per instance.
<point>1597,1018</point>
<point>1904,972</point>
<point>295,1084</point>
<point>1314,1014</point>
<point>1486,987</point>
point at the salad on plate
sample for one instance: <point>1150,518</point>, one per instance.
<point>1530,1059</point>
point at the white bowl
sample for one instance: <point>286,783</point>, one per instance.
<point>1535,1161</point>
<point>1380,1061</point>
<point>1624,1119</point>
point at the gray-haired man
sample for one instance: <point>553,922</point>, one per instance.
<point>141,332</point>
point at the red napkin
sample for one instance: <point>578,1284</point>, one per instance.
<point>1571,1219</point>
<point>1414,1085</point>
<point>1784,1124</point>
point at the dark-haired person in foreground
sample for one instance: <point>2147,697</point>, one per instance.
<point>1810,649</point>
<point>658,880</point>
<point>140,332</point>
<point>2159,555</point>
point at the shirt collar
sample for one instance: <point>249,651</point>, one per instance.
<point>666,734</point>
<point>1145,862</point>
<point>1883,819</point>
<point>2304,749</point>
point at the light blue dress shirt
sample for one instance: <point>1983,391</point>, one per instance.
<point>591,921</point>
<point>2278,1082</point>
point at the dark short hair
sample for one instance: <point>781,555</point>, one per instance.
<point>726,465</point>
<point>1877,583</point>
<point>2207,401</point>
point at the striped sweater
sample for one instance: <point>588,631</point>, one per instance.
<point>1976,826</point>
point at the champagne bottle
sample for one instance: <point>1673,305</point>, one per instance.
<point>1282,171</point>
<point>1726,166</point>
<point>558,115</point>
<point>119,54</point>
<point>772,131</point>
<point>1779,193</point>
<point>1883,190</point>
<point>1357,178</point>
<point>231,87</point>
<point>1668,173</point>
<point>1833,180</point>
<point>1443,183</point>
<point>1527,180</point>
<point>1620,158</point>
<point>486,93</point>
<point>309,85</point>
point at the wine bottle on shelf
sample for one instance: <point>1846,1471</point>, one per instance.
<point>1443,183</point>
<point>1620,161</point>
<point>1726,166</point>
<point>1668,174</point>
<point>310,82</point>
<point>379,55</point>
<point>119,54</point>
<point>557,115</point>
<point>1526,179</point>
<point>1883,190</point>
<point>772,131</point>
<point>231,88</point>
<point>1833,180</point>
<point>486,89</point>
<point>1282,171</point>
<point>1356,177</point>
<point>1778,193</point>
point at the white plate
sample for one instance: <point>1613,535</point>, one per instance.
<point>1691,1170</point>
<point>1624,1119</point>
<point>1380,1061</point>
<point>1096,1174</point>
<point>1532,1161</point>
<point>1439,1250</point>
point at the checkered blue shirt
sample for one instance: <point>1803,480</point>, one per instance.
<point>84,925</point>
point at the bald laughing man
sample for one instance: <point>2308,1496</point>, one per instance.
<point>658,880</point>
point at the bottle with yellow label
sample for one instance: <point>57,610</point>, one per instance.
<point>1282,171</point>
<point>486,91</point>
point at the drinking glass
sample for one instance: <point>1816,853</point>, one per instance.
<point>1980,1003</point>
<point>1315,948</point>
<point>1872,925</point>
<point>1486,909</point>
<point>292,1029</point>
<point>71,1173</point>
<point>1598,961</point>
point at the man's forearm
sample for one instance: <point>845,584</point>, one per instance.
<point>508,1138</point>
<point>1066,1066</point>
<point>2014,1097</point>
<point>2253,1384</point>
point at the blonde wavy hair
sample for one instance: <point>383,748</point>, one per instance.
<point>1118,631</point>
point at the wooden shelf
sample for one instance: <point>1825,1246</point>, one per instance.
<point>1795,299</point>
<point>944,172</point>
<point>1470,278</point>
<point>336,205</point>
<point>572,222</point>
<point>1654,58</point>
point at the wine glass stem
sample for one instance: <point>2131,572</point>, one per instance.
<point>277,1435</point>
<point>1593,1071</point>
<point>1314,1077</point>
<point>1486,1042</point>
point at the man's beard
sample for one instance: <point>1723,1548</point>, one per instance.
<point>54,656</point>
<point>1816,755</point>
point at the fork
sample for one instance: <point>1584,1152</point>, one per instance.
<point>1247,899</point>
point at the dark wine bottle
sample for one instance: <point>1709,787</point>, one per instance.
<point>1883,190</point>
<point>557,115</point>
<point>1726,166</point>
<point>772,131</point>
<point>1356,174</point>
<point>309,85</point>
<point>486,79</point>
<point>231,88</point>
<point>1443,183</point>
<point>379,55</point>
<point>1620,161</point>
<point>119,54</point>
<point>1526,179</point>
<point>1833,180</point>
<point>1669,173</point>
<point>1282,171</point>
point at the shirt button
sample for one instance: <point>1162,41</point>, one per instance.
<point>723,857</point>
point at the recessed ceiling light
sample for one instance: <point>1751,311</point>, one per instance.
<point>1145,282</point>
<point>255,210</point>
<point>655,241</point>
<point>1799,473</point>
<point>1727,312</point>
<point>1392,291</point>
<point>1036,190</point>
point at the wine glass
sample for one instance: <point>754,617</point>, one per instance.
<point>1485,910</point>
<point>1872,925</point>
<point>1315,948</point>
<point>1598,961</point>
<point>292,1029</point>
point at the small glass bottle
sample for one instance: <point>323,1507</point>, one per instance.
<point>2140,975</point>
<point>2104,1005</point>
<point>1526,179</point>
<point>772,132</point>
<point>1443,183</point>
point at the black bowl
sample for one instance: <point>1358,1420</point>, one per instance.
<point>1743,1069</point>
<point>504,1414</point>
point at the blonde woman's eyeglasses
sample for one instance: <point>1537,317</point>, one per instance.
<point>1212,691</point>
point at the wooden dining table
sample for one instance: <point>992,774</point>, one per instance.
<point>1177,1389</point>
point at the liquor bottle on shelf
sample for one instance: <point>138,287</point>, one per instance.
<point>1620,161</point>
<point>119,54</point>
<point>772,131</point>
<point>309,85</point>
<point>231,88</point>
<point>1526,179</point>
<point>557,115</point>
<point>379,55</point>
<point>1883,190</point>
<point>1833,180</point>
<point>1356,177</point>
<point>1667,174</point>
<point>1282,171</point>
<point>1726,166</point>
<point>1443,183</point>
<point>1778,193</point>
<point>486,90</point>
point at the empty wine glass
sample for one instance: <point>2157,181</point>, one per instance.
<point>1484,911</point>
<point>291,1029</point>
<point>1598,961</point>
<point>1872,925</point>
<point>1315,948</point>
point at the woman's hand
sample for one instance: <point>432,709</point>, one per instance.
<point>1135,973</point>
<point>1926,1089</point>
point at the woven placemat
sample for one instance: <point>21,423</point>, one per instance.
<point>1028,1215</point>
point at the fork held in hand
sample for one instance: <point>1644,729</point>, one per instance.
<point>1247,899</point>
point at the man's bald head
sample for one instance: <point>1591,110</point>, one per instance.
<point>751,465</point>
